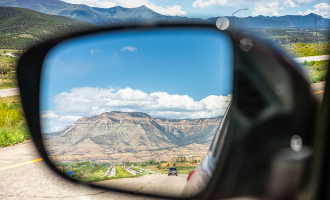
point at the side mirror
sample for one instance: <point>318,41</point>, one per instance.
<point>127,108</point>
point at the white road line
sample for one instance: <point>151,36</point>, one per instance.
<point>311,58</point>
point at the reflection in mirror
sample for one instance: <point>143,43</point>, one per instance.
<point>138,110</point>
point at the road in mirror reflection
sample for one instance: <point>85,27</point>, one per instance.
<point>120,109</point>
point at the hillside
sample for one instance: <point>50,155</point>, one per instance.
<point>125,132</point>
<point>96,16</point>
<point>20,28</point>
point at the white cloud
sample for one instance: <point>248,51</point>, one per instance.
<point>115,56</point>
<point>174,10</point>
<point>129,48</point>
<point>322,9</point>
<point>290,4</point>
<point>49,115</point>
<point>88,101</point>
<point>265,8</point>
<point>305,1</point>
<point>96,51</point>
<point>69,118</point>
<point>208,3</point>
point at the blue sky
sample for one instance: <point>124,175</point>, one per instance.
<point>213,8</point>
<point>168,73</point>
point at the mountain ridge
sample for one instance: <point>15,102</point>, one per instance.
<point>123,132</point>
<point>288,21</point>
<point>142,14</point>
<point>94,15</point>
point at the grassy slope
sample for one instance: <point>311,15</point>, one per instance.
<point>21,28</point>
<point>57,7</point>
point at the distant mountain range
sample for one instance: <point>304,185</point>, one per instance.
<point>92,15</point>
<point>142,14</point>
<point>122,132</point>
<point>298,21</point>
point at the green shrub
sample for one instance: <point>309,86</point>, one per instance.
<point>13,128</point>
<point>11,136</point>
<point>317,77</point>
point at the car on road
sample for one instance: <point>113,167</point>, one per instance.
<point>172,171</point>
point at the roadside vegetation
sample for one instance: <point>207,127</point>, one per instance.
<point>183,165</point>
<point>13,128</point>
<point>122,173</point>
<point>93,172</point>
<point>317,70</point>
<point>307,49</point>
<point>85,171</point>
<point>143,171</point>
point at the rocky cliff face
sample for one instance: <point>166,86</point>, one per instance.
<point>120,132</point>
<point>191,130</point>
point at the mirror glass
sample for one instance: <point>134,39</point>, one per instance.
<point>135,110</point>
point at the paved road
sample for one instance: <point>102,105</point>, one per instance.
<point>9,92</point>
<point>133,172</point>
<point>159,184</point>
<point>33,180</point>
<point>111,172</point>
<point>318,90</point>
<point>311,58</point>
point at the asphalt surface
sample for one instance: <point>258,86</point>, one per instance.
<point>311,58</point>
<point>157,184</point>
<point>318,90</point>
<point>111,172</point>
<point>9,92</point>
<point>33,180</point>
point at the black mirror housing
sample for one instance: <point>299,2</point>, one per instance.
<point>272,102</point>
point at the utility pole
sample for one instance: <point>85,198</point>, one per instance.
<point>235,13</point>
<point>22,28</point>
